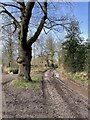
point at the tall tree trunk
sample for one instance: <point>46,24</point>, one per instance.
<point>59,59</point>
<point>25,64</point>
<point>47,62</point>
<point>51,64</point>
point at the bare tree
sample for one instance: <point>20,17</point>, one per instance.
<point>58,50</point>
<point>21,17</point>
<point>50,48</point>
<point>8,44</point>
<point>46,49</point>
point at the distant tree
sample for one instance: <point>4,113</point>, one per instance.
<point>58,51</point>
<point>46,49</point>
<point>8,43</point>
<point>73,49</point>
<point>50,48</point>
<point>87,63</point>
<point>88,60</point>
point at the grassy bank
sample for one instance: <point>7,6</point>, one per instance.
<point>26,84</point>
<point>80,77</point>
<point>36,75</point>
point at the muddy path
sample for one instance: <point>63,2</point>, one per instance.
<point>21,102</point>
<point>62,101</point>
<point>53,99</point>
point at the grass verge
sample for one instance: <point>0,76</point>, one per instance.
<point>36,80</point>
<point>80,77</point>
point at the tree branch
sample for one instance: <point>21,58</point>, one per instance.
<point>40,27</point>
<point>10,15</point>
<point>10,5</point>
<point>25,23</point>
<point>41,7</point>
<point>22,3</point>
<point>28,10</point>
<point>22,8</point>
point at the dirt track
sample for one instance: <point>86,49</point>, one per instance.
<point>61,100</point>
<point>54,99</point>
<point>21,102</point>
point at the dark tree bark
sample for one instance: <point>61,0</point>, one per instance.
<point>26,45</point>
<point>59,59</point>
<point>25,64</point>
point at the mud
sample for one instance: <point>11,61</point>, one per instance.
<point>53,99</point>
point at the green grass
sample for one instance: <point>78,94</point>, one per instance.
<point>24,84</point>
<point>36,75</point>
<point>79,76</point>
<point>36,79</point>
